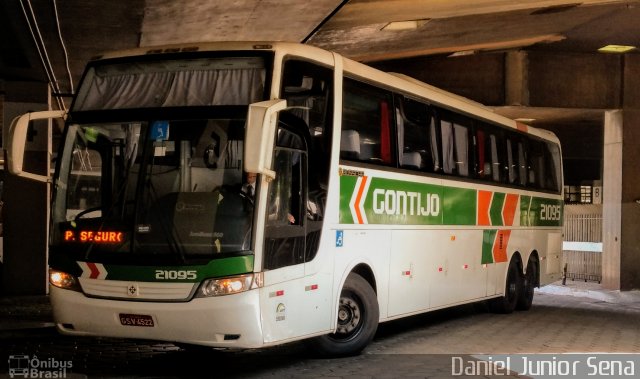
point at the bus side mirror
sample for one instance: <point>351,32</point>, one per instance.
<point>18,141</point>
<point>260,135</point>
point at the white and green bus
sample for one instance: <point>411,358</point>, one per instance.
<point>377,197</point>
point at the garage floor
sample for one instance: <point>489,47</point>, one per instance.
<point>577,318</point>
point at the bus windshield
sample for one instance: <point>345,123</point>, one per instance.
<point>153,187</point>
<point>152,161</point>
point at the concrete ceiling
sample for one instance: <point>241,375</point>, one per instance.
<point>354,28</point>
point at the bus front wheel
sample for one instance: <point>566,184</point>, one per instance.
<point>507,303</point>
<point>358,316</point>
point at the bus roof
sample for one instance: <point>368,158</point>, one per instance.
<point>400,82</point>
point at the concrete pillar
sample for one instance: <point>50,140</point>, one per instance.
<point>630,215</point>
<point>25,210</point>
<point>612,195</point>
<point>621,212</point>
<point>516,78</point>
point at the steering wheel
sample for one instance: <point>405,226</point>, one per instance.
<point>86,211</point>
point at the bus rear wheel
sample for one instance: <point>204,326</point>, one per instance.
<point>513,287</point>
<point>528,285</point>
<point>358,316</point>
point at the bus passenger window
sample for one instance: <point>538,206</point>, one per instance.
<point>487,156</point>
<point>495,162</point>
<point>554,173</point>
<point>536,160</point>
<point>462,149</point>
<point>512,173</point>
<point>367,122</point>
<point>523,172</point>
<point>455,148</point>
<point>481,170</point>
<point>435,146</point>
<point>448,162</point>
<point>415,143</point>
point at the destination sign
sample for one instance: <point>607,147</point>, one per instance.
<point>94,236</point>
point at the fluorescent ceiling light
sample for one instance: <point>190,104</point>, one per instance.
<point>462,53</point>
<point>405,25</point>
<point>619,49</point>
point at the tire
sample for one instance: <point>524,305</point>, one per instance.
<point>508,302</point>
<point>358,316</point>
<point>529,281</point>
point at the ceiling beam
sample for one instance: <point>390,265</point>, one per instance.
<point>485,46</point>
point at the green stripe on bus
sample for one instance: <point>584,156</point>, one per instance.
<point>488,238</point>
<point>460,206</point>
<point>347,186</point>
<point>540,211</point>
<point>495,211</point>
<point>526,217</point>
<point>182,274</point>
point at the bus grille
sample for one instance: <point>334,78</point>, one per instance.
<point>136,291</point>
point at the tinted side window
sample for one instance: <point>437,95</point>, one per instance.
<point>284,236</point>
<point>554,168</point>
<point>367,119</point>
<point>512,157</point>
<point>456,140</point>
<point>487,164</point>
<point>417,143</point>
<point>523,166</point>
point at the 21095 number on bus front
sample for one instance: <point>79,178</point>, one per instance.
<point>176,274</point>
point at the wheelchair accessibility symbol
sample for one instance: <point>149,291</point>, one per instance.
<point>339,238</point>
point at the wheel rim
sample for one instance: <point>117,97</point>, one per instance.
<point>349,318</point>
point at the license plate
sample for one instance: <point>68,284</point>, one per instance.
<point>135,320</point>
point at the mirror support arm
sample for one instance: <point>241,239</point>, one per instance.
<point>260,136</point>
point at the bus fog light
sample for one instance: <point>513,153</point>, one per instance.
<point>226,286</point>
<point>64,280</point>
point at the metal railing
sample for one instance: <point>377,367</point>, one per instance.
<point>583,227</point>
<point>582,258</point>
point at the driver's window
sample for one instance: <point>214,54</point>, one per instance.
<point>284,196</point>
<point>285,229</point>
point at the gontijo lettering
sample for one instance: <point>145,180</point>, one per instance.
<point>405,203</point>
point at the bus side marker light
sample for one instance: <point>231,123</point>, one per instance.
<point>277,293</point>
<point>312,287</point>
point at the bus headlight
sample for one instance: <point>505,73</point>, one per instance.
<point>229,285</point>
<point>63,280</point>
